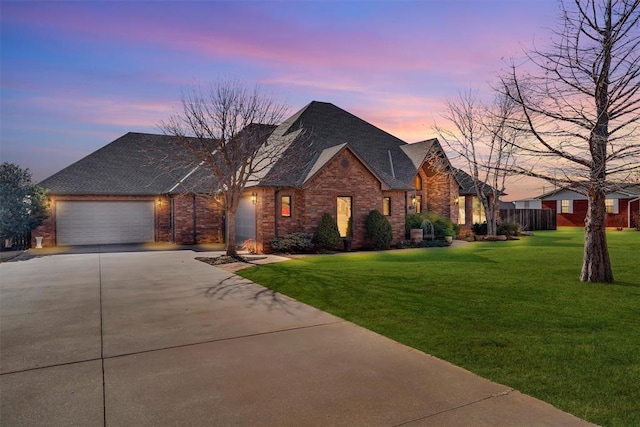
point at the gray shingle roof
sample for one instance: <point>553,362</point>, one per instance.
<point>144,164</point>
<point>131,165</point>
<point>322,126</point>
<point>466,184</point>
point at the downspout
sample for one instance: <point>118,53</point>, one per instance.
<point>275,218</point>
<point>637,199</point>
<point>172,220</point>
<point>195,242</point>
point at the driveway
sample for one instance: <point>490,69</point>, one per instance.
<point>159,338</point>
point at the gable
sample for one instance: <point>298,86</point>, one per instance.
<point>333,155</point>
<point>323,126</point>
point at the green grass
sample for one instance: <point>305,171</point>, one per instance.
<point>514,312</point>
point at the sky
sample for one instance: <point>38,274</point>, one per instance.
<point>75,76</point>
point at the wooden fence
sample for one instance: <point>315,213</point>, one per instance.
<point>530,219</point>
<point>16,243</point>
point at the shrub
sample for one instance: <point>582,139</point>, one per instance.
<point>442,226</point>
<point>379,230</point>
<point>412,221</point>
<point>480,229</point>
<point>327,235</point>
<point>293,243</point>
<point>508,229</point>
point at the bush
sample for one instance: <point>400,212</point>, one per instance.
<point>636,220</point>
<point>508,229</point>
<point>442,226</point>
<point>412,221</point>
<point>379,230</point>
<point>327,235</point>
<point>480,229</point>
<point>293,243</point>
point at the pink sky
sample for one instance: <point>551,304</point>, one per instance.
<point>77,75</point>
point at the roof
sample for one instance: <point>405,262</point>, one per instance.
<point>624,189</point>
<point>144,164</point>
<point>131,165</point>
<point>322,126</point>
<point>466,184</point>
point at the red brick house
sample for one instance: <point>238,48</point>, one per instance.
<point>571,207</point>
<point>335,163</point>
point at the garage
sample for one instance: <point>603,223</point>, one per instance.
<point>108,222</point>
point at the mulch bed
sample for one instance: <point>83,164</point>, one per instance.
<point>224,259</point>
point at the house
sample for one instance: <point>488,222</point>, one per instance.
<point>335,162</point>
<point>530,203</point>
<point>571,207</point>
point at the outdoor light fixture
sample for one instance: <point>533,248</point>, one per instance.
<point>414,200</point>
<point>254,198</point>
<point>159,202</point>
<point>456,200</point>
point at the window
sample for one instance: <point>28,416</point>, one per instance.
<point>386,206</point>
<point>418,183</point>
<point>478,211</point>
<point>527,205</point>
<point>566,206</point>
<point>344,217</point>
<point>285,206</point>
<point>462,212</point>
<point>611,205</point>
<point>418,203</point>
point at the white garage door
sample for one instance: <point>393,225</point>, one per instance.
<point>94,223</point>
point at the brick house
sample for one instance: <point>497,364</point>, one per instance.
<point>335,163</point>
<point>571,207</point>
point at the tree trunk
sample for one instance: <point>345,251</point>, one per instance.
<point>596,265</point>
<point>231,233</point>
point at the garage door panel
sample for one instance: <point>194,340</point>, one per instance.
<point>90,223</point>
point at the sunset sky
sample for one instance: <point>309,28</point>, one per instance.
<point>77,75</point>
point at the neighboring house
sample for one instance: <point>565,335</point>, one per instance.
<point>531,203</point>
<point>335,163</point>
<point>571,207</point>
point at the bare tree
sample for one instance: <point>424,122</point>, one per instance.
<point>581,107</point>
<point>484,142</point>
<point>224,135</point>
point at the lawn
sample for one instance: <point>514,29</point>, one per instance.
<point>514,312</point>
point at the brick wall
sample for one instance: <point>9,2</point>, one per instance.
<point>196,219</point>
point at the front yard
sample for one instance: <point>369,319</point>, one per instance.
<point>514,312</point>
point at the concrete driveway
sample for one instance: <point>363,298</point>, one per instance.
<point>159,338</point>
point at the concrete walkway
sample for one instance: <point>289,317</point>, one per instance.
<point>159,338</point>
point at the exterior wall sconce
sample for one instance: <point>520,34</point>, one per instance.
<point>254,198</point>
<point>414,200</point>
<point>159,202</point>
<point>456,200</point>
